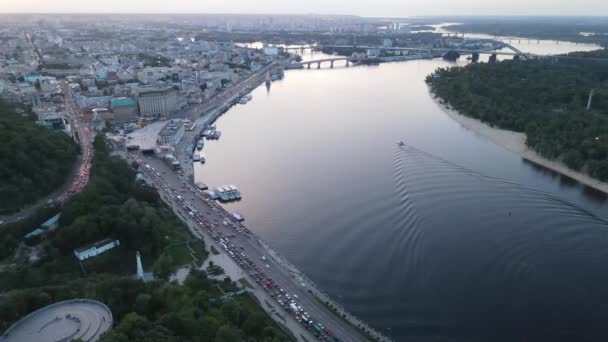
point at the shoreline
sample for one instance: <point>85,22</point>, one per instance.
<point>209,116</point>
<point>515,142</point>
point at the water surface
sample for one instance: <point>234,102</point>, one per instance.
<point>448,238</point>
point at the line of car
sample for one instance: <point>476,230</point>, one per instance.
<point>227,242</point>
<point>86,142</point>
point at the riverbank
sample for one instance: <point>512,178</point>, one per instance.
<point>516,142</point>
<point>297,281</point>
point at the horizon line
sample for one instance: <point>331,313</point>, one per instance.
<point>317,14</point>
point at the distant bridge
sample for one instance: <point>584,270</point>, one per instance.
<point>331,61</point>
<point>301,48</point>
<point>514,51</point>
<point>433,51</point>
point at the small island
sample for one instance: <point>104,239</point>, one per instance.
<point>557,109</point>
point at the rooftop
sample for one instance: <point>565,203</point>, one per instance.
<point>155,91</point>
<point>123,102</point>
<point>96,245</point>
<point>171,128</point>
<point>82,319</point>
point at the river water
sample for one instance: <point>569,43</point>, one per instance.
<point>448,238</point>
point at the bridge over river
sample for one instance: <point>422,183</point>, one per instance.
<point>429,52</point>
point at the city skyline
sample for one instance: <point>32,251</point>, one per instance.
<point>381,8</point>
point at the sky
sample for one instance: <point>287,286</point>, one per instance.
<point>377,8</point>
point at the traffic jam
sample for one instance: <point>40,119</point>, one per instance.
<point>85,167</point>
<point>86,143</point>
<point>227,242</point>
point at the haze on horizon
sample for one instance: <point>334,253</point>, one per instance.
<point>378,8</point>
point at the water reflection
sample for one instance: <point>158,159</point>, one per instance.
<point>424,247</point>
<point>591,194</point>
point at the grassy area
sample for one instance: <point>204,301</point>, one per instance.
<point>180,254</point>
<point>187,253</point>
<point>198,249</point>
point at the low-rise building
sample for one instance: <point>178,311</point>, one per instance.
<point>124,109</point>
<point>172,133</point>
<point>103,113</point>
<point>95,249</point>
<point>49,225</point>
<point>52,121</point>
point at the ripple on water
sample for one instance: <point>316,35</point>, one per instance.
<point>494,256</point>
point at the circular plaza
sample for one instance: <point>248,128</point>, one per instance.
<point>84,319</point>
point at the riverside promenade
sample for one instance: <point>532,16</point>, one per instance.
<point>208,221</point>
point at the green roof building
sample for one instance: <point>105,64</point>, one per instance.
<point>124,108</point>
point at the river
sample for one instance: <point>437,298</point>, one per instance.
<point>448,238</point>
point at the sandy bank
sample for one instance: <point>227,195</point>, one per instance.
<point>516,143</point>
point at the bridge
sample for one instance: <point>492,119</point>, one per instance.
<point>300,49</point>
<point>331,61</point>
<point>433,52</point>
<point>514,51</point>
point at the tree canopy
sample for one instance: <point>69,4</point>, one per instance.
<point>545,99</point>
<point>114,205</point>
<point>34,161</point>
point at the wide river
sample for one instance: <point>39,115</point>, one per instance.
<point>448,238</point>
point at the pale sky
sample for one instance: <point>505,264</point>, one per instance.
<point>394,8</point>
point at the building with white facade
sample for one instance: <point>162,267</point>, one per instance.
<point>158,102</point>
<point>172,133</point>
<point>95,249</point>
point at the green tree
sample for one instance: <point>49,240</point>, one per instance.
<point>34,161</point>
<point>227,333</point>
<point>163,267</point>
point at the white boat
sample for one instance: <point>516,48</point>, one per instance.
<point>238,217</point>
<point>223,193</point>
<point>245,99</point>
<point>196,157</point>
<point>235,191</point>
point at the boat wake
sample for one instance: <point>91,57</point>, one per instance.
<point>480,244</point>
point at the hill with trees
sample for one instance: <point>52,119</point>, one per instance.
<point>33,160</point>
<point>545,99</point>
<point>114,205</point>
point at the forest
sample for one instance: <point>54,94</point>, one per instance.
<point>114,205</point>
<point>33,160</point>
<point>546,99</point>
